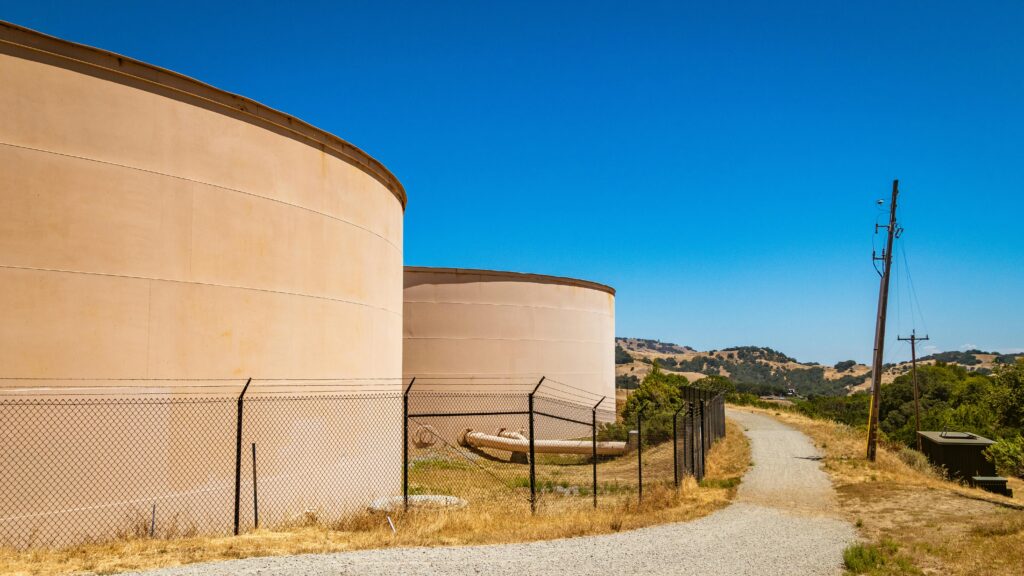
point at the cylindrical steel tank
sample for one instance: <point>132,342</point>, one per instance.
<point>155,227</point>
<point>462,324</point>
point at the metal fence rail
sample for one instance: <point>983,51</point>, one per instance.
<point>96,460</point>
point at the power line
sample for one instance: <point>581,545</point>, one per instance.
<point>913,289</point>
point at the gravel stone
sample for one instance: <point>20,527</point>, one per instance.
<point>782,522</point>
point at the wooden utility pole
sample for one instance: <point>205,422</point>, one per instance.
<point>883,303</point>
<point>914,339</point>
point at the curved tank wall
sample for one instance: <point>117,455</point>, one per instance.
<point>478,323</point>
<point>154,227</point>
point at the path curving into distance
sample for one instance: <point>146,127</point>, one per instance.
<point>782,522</point>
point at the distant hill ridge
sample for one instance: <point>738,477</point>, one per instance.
<point>766,371</point>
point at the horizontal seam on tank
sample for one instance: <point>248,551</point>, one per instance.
<point>363,160</point>
<point>213,284</point>
<point>503,339</point>
<point>200,182</point>
<point>486,375</point>
<point>510,306</point>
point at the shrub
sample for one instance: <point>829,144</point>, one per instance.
<point>881,558</point>
<point>747,399</point>
<point>716,383</point>
<point>627,382</point>
<point>862,558</point>
<point>621,356</point>
<point>845,365</point>
<point>915,460</point>
<point>1008,456</point>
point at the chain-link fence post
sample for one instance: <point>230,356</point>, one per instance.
<point>405,445</point>
<point>238,452</point>
<point>639,454</point>
<point>703,440</point>
<point>703,437</point>
<point>675,445</point>
<point>714,419</point>
<point>721,416</point>
<point>718,416</point>
<point>695,439</point>
<point>722,408</point>
<point>255,496</point>
<point>593,441</point>
<point>533,467</point>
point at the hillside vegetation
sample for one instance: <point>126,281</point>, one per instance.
<point>757,370</point>
<point>766,372</point>
<point>972,391</point>
<point>951,398</point>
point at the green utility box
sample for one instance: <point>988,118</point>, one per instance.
<point>961,454</point>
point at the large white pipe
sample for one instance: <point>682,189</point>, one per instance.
<point>514,442</point>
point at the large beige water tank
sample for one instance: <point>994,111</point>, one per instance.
<point>155,230</point>
<point>465,324</point>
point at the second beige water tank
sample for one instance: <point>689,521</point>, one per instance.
<point>461,323</point>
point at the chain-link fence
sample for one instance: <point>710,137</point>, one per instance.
<point>91,461</point>
<point>545,445</point>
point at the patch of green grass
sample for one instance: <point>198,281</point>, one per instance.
<point>550,485</point>
<point>614,488</point>
<point>880,559</point>
<point>862,558</point>
<point>416,490</point>
<point>438,464</point>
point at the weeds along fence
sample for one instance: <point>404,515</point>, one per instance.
<point>92,460</point>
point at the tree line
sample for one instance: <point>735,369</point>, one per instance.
<point>951,398</point>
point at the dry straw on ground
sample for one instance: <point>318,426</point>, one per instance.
<point>911,514</point>
<point>478,524</point>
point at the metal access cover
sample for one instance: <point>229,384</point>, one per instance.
<point>956,438</point>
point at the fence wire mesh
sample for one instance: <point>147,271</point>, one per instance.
<point>319,457</point>
<point>167,459</point>
<point>443,459</point>
<point>79,469</point>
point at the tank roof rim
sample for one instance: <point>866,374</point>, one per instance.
<point>30,39</point>
<point>524,276</point>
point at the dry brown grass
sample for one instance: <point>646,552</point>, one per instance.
<point>557,517</point>
<point>941,527</point>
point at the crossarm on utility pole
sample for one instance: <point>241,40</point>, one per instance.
<point>914,339</point>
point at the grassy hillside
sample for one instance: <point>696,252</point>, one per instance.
<point>764,371</point>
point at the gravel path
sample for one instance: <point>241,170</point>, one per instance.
<point>780,524</point>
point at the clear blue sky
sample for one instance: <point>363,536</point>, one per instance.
<point>716,162</point>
